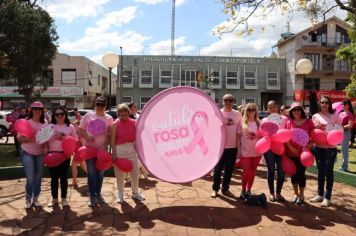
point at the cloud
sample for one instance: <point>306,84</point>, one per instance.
<point>164,47</point>
<point>104,34</point>
<point>69,10</point>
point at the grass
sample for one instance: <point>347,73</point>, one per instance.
<point>8,156</point>
<point>352,160</point>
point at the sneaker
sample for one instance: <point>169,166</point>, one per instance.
<point>248,193</point>
<point>28,204</point>
<point>214,194</point>
<point>64,202</point>
<point>53,202</point>
<point>36,203</point>
<point>295,199</point>
<point>325,203</point>
<point>242,195</point>
<point>138,196</point>
<point>120,198</point>
<point>92,201</point>
<point>299,201</point>
<point>100,199</point>
<point>227,193</point>
<point>316,199</point>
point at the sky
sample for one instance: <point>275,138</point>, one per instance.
<point>143,27</point>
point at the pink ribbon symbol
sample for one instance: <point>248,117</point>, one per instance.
<point>199,126</point>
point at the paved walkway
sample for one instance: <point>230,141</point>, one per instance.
<point>175,209</point>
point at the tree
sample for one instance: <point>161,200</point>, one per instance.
<point>27,42</point>
<point>241,12</point>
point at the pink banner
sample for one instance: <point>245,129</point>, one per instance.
<point>180,135</point>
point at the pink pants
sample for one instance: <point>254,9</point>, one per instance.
<point>249,166</point>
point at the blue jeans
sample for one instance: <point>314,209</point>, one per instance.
<point>271,161</point>
<point>325,160</point>
<point>345,149</point>
<point>33,167</point>
<point>95,178</point>
<point>226,162</point>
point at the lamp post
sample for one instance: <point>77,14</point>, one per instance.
<point>121,74</point>
<point>304,66</point>
<point>110,60</point>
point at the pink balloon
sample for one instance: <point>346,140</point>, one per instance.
<point>77,158</point>
<point>87,152</point>
<point>54,159</point>
<point>278,148</point>
<point>300,137</point>
<point>319,136</point>
<point>269,127</point>
<point>263,145</point>
<point>10,119</point>
<point>335,137</point>
<point>69,145</point>
<point>103,166</point>
<point>307,157</point>
<point>282,136</point>
<point>23,127</point>
<point>123,164</point>
<point>103,157</point>
<point>288,166</point>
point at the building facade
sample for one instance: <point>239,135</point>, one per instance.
<point>73,81</point>
<point>319,44</point>
<point>248,79</point>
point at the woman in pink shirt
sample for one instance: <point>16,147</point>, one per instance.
<point>298,119</point>
<point>32,156</point>
<point>249,157</point>
<point>62,127</point>
<point>325,155</point>
<point>123,146</point>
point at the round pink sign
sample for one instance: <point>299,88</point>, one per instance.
<point>180,135</point>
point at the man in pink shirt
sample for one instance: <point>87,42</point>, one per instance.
<point>232,119</point>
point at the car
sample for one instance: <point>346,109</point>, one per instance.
<point>262,114</point>
<point>112,113</point>
<point>81,112</point>
<point>4,125</point>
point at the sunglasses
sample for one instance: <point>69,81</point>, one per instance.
<point>228,100</point>
<point>59,114</point>
<point>251,110</point>
<point>36,109</point>
<point>324,102</point>
<point>297,109</point>
<point>100,105</point>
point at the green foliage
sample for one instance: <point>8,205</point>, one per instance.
<point>28,39</point>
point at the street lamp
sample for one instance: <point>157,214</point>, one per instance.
<point>121,74</point>
<point>304,66</point>
<point>110,60</point>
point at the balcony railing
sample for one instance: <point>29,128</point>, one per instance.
<point>321,42</point>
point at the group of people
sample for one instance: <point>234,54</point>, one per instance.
<point>120,134</point>
<point>242,133</point>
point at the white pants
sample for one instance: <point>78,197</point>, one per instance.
<point>127,151</point>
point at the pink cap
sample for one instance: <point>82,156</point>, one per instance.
<point>295,104</point>
<point>37,104</point>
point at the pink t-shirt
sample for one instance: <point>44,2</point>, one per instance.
<point>99,139</point>
<point>324,119</point>
<point>346,117</point>
<point>232,122</point>
<point>34,148</point>
<point>249,137</point>
<point>281,122</point>
<point>125,131</point>
<point>307,125</point>
<point>55,145</point>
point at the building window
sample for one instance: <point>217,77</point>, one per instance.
<point>189,78</point>
<point>146,76</point>
<point>343,66</point>
<point>143,101</point>
<point>273,80</point>
<point>48,77</point>
<point>232,78</point>
<point>311,84</point>
<point>127,76</point>
<point>127,99</point>
<point>250,80</point>
<point>247,100</point>
<point>166,77</point>
<point>340,84</point>
<point>314,58</point>
<point>328,62</point>
<point>215,77</point>
<point>69,76</point>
